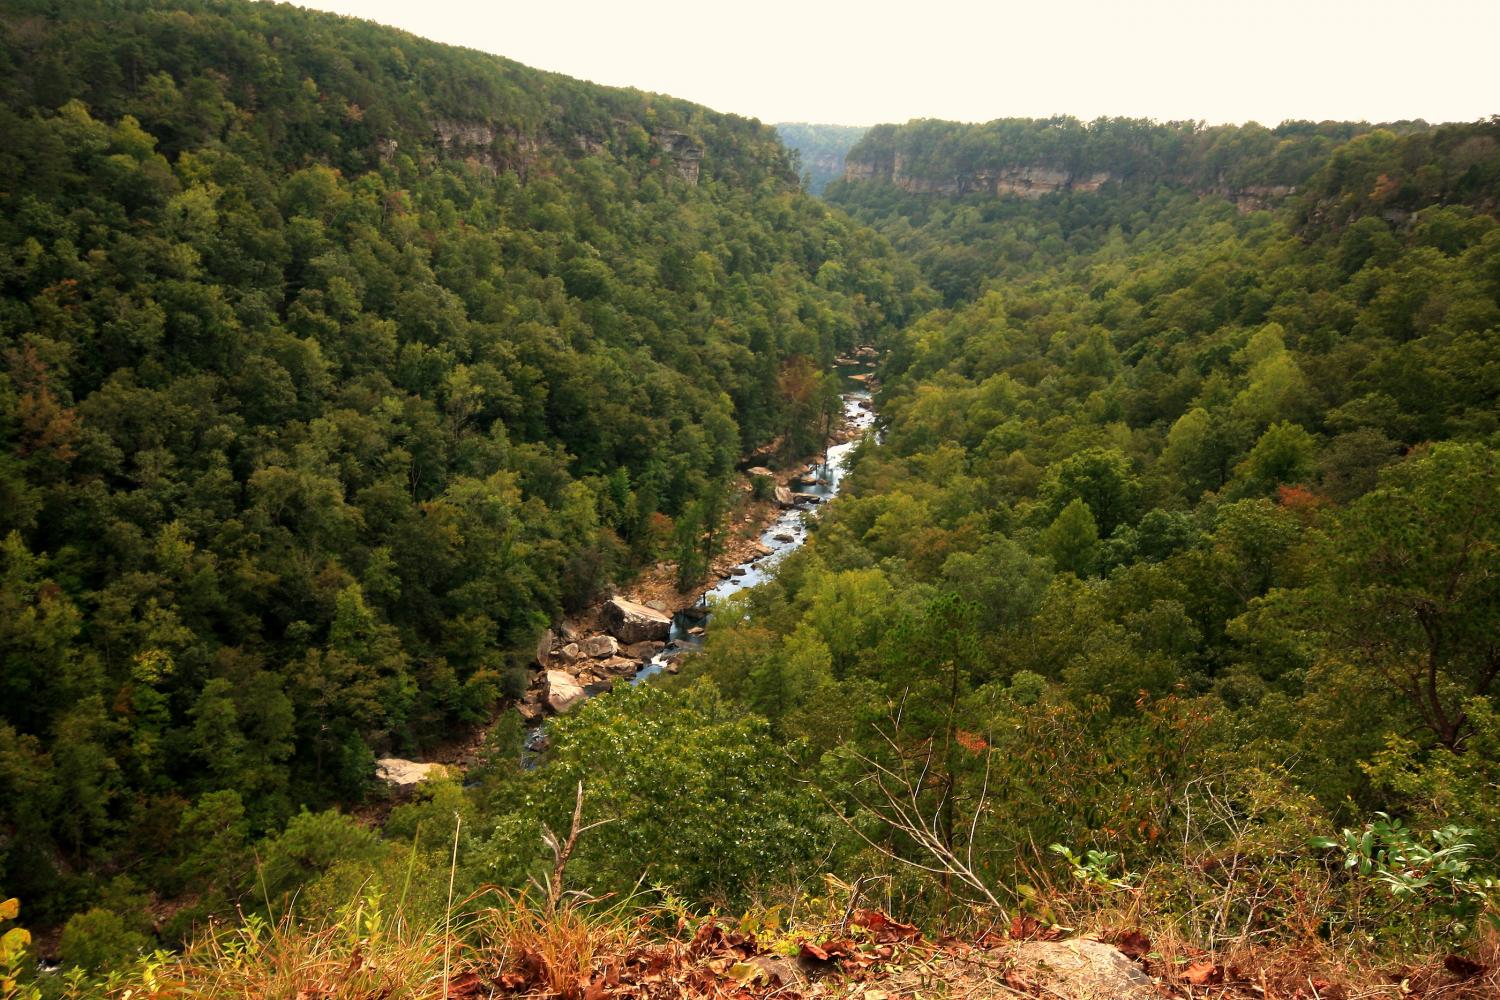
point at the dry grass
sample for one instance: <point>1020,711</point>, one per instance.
<point>352,958</point>
<point>1295,964</point>
<point>560,946</point>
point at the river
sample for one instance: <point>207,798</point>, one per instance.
<point>791,527</point>
<point>789,524</point>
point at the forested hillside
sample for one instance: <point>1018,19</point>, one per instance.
<point>336,365</point>
<point>986,220</point>
<point>1180,544</point>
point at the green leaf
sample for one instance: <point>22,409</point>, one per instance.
<point>745,973</point>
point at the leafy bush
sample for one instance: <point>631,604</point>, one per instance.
<point>1436,883</point>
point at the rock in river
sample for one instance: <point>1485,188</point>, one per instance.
<point>631,622</point>
<point>601,645</point>
<point>563,691</point>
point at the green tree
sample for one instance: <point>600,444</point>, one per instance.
<point>1407,586</point>
<point>1071,541</point>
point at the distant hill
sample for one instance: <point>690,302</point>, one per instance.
<point>822,149</point>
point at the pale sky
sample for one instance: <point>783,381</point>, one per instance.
<point>859,63</point>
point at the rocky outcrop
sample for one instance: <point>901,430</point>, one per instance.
<point>683,150</point>
<point>1035,180</point>
<point>1256,198</point>
<point>486,146</point>
<point>562,691</point>
<point>631,622</point>
<point>1029,181</point>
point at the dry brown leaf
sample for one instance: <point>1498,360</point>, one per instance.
<point>1202,973</point>
<point>1133,944</point>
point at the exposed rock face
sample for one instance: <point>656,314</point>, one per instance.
<point>404,773</point>
<point>1256,198</point>
<point>563,692</point>
<point>544,647</point>
<point>485,146</point>
<point>1029,181</point>
<point>452,133</point>
<point>684,151</point>
<point>631,622</point>
<point>1038,179</point>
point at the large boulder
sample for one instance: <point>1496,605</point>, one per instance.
<point>544,647</point>
<point>562,691</point>
<point>601,645</point>
<point>620,665</point>
<point>402,773</point>
<point>631,622</point>
<point>783,497</point>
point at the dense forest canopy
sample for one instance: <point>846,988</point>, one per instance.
<point>337,364</point>
<point>937,211</point>
<point>1180,540</point>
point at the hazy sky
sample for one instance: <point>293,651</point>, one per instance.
<point>876,61</point>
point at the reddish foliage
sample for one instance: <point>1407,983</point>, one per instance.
<point>1024,928</point>
<point>883,928</point>
<point>1134,944</point>
<point>972,742</point>
<point>1300,499</point>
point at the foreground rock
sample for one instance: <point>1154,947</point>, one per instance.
<point>631,622</point>
<point>562,692</point>
<point>1076,969</point>
<point>1081,969</point>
